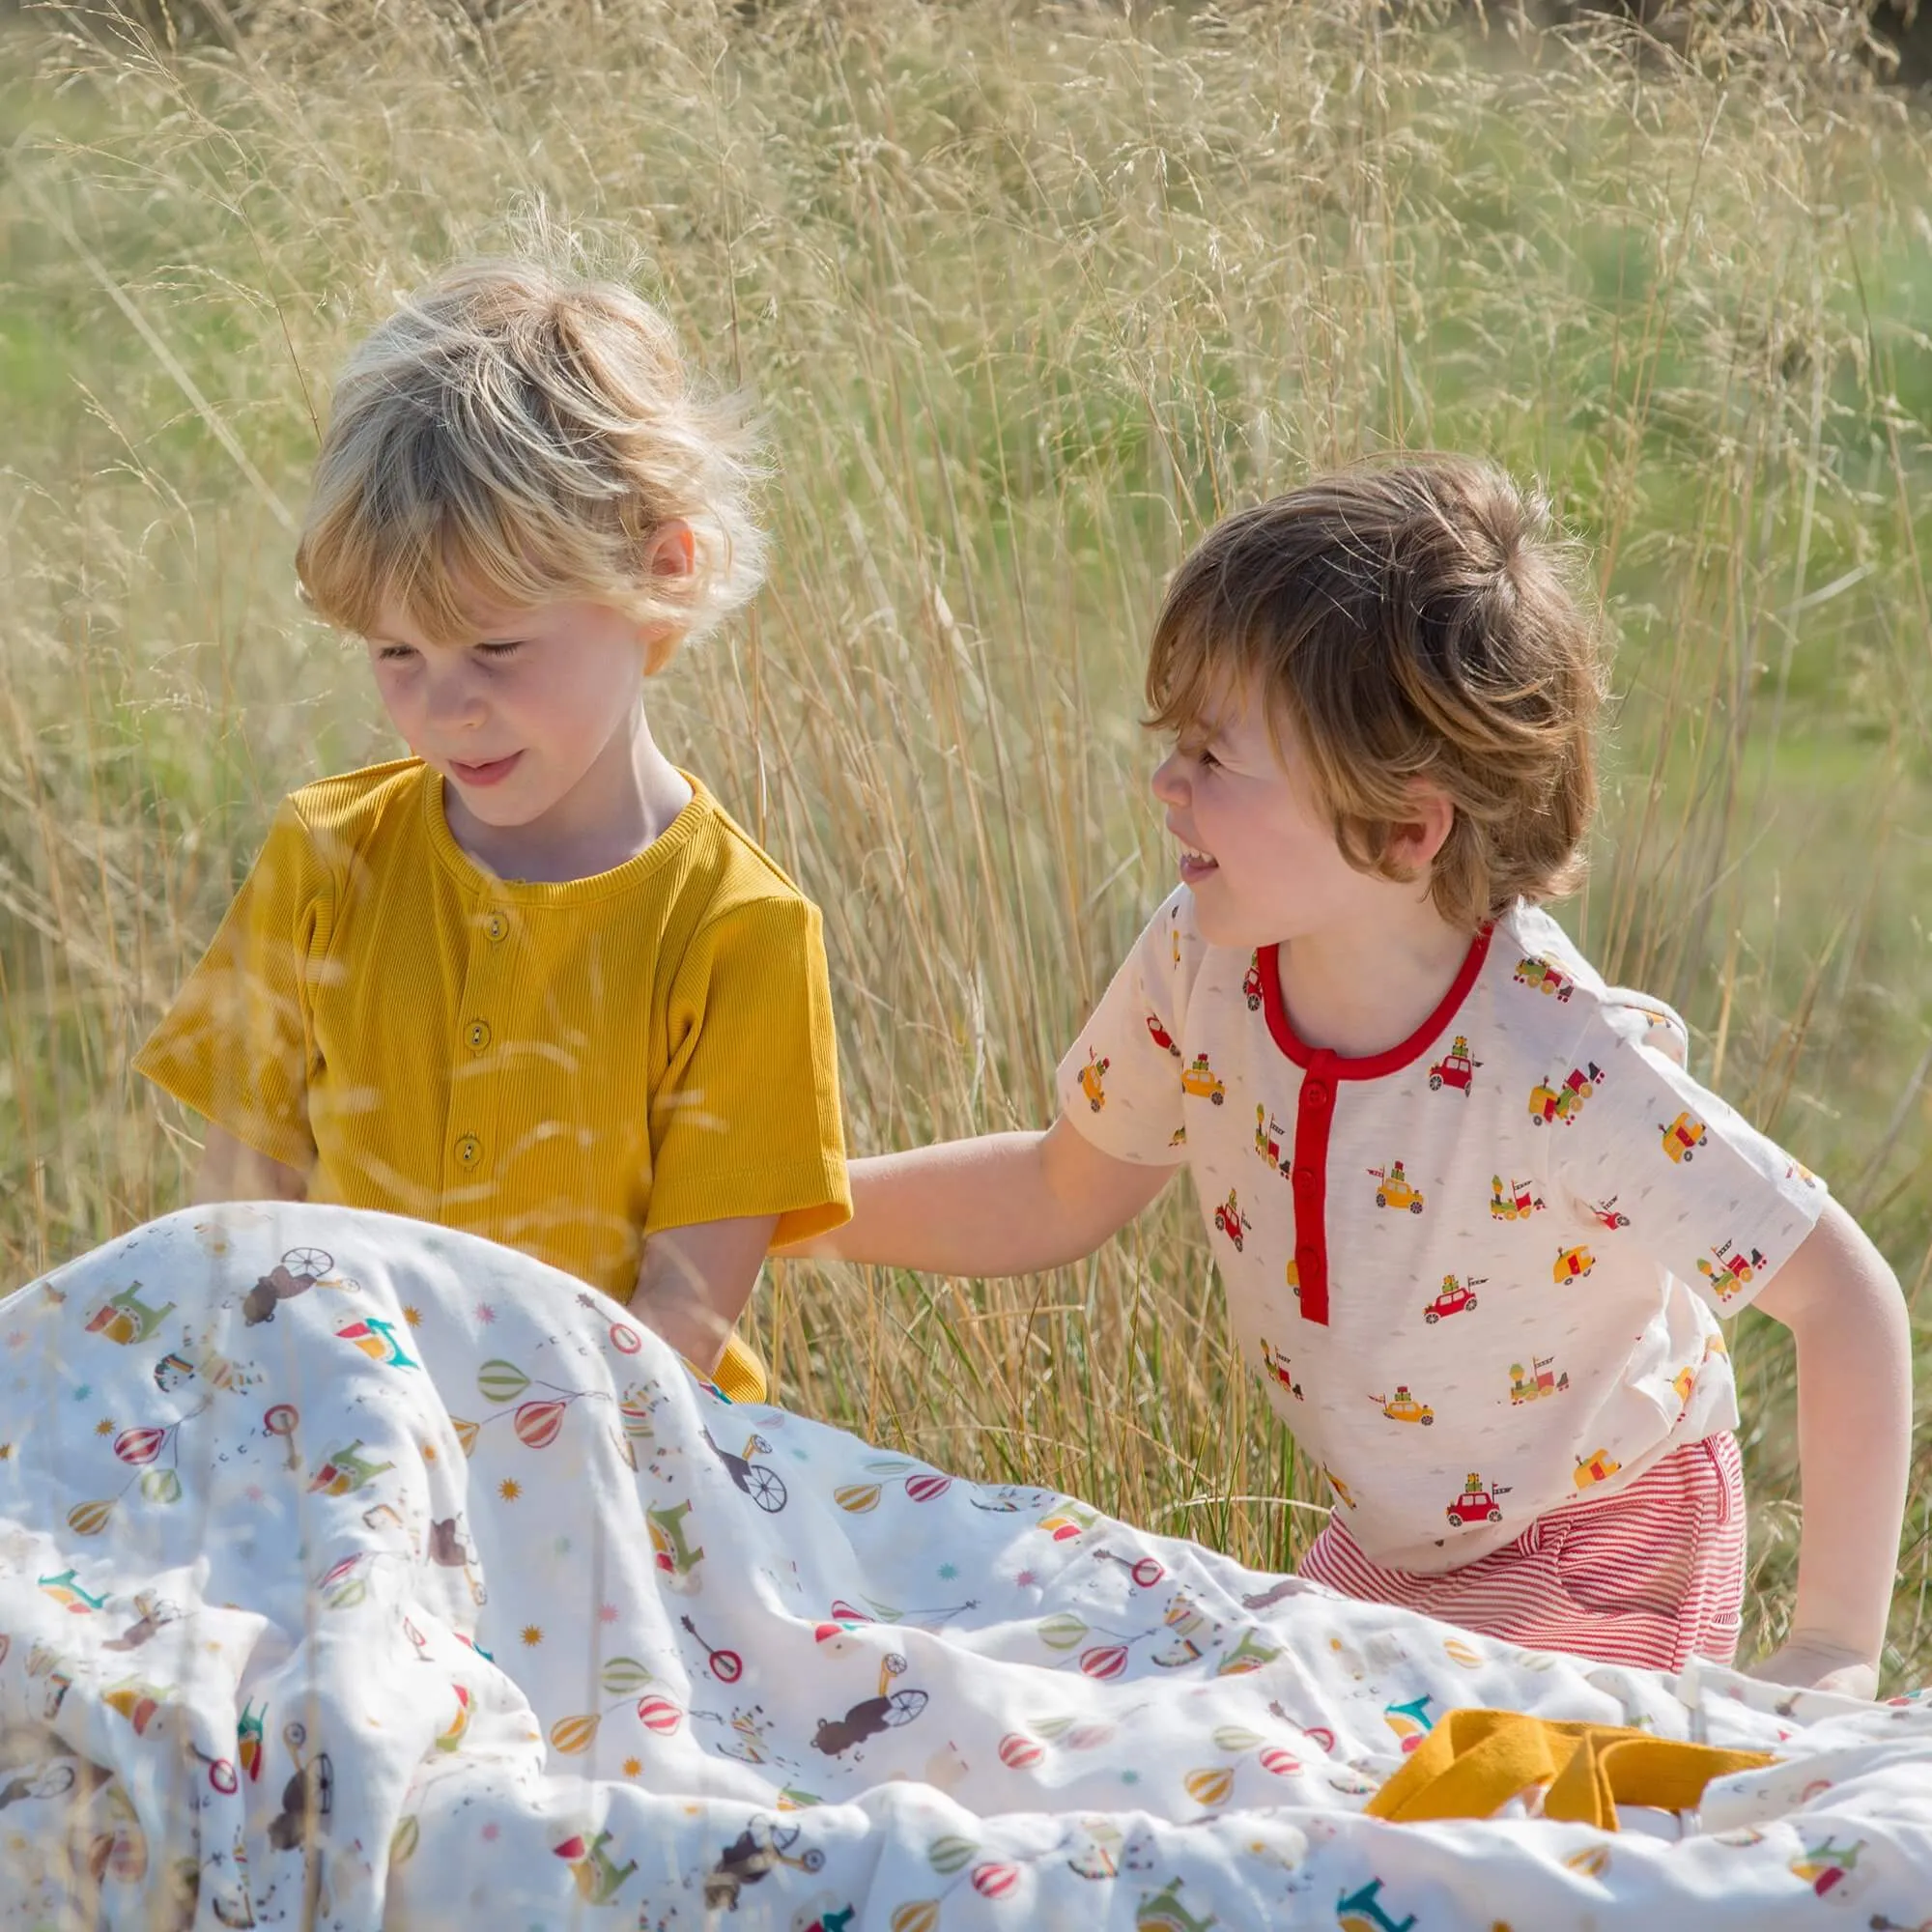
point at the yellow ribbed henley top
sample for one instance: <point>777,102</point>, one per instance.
<point>561,1068</point>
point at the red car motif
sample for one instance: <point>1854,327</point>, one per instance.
<point>1231,1221</point>
<point>1455,1297</point>
<point>1455,1068</point>
<point>1161,1036</point>
<point>1606,1212</point>
<point>1474,1506</point>
<point>1251,987</point>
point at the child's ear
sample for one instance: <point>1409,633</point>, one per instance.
<point>672,552</point>
<point>1418,838</point>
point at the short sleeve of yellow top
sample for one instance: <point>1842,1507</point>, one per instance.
<point>565,1068</point>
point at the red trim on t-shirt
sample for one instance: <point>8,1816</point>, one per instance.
<point>1315,1110</point>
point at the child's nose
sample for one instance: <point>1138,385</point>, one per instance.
<point>452,700</point>
<point>1169,782</point>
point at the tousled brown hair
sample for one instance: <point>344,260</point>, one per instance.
<point>1406,622</point>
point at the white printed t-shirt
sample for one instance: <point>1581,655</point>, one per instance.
<point>1476,1272</point>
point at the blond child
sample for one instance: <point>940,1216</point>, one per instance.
<point>531,981</point>
<point>1475,1221</point>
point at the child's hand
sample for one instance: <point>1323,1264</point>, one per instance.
<point>1814,1663</point>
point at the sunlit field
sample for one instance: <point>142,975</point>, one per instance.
<point>1027,298</point>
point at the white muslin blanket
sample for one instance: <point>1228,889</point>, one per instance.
<point>353,1572</point>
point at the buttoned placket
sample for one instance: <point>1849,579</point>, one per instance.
<point>1314,1116</point>
<point>471,1147</point>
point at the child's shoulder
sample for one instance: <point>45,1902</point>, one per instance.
<point>729,867</point>
<point>1532,952</point>
<point>350,809</point>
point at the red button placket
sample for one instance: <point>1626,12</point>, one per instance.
<point>1314,1116</point>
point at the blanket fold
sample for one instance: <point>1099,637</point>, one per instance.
<point>356,1572</point>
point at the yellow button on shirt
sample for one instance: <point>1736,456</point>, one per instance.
<point>565,1068</point>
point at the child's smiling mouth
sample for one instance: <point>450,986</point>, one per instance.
<point>491,772</point>
<point>1196,864</point>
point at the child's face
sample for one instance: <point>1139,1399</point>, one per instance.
<point>1258,856</point>
<point>518,714</point>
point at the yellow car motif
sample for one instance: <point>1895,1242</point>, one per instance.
<point>1597,1468</point>
<point>1570,1263</point>
<point>1199,1080</point>
<point>1404,1408</point>
<point>1393,1189</point>
<point>1684,1136</point>
<point>1092,1077</point>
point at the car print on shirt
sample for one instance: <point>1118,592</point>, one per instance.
<point>1594,1468</point>
<point>1401,1406</point>
<point>1733,1270</point>
<point>1251,984</point>
<point>1519,1203</point>
<point>1476,1504</point>
<point>1280,1368</point>
<point>1342,1493</point>
<point>1395,1190</point>
<point>1199,1079</point>
<point>1684,1382</point>
<point>1160,1034</point>
<point>1092,1078</point>
<point>1564,1103</point>
<point>1267,1143</point>
<point>1455,1068</point>
<point>1684,1136</point>
<point>1542,1381</point>
<point>1544,977</point>
<point>1570,1263</point>
<point>1606,1212</point>
<point>1456,1296</point>
<point>1230,1219</point>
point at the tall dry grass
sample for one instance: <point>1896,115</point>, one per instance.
<point>1028,296</point>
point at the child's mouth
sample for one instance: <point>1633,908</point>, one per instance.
<point>1196,865</point>
<point>492,772</point>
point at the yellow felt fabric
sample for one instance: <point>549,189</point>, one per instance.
<point>1475,1761</point>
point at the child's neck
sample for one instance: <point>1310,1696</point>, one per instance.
<point>625,800</point>
<point>1359,990</point>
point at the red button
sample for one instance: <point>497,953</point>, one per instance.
<point>1314,1094</point>
<point>1306,1262</point>
<point>1304,1177</point>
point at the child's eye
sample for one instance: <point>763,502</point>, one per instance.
<point>508,647</point>
<point>1206,760</point>
<point>394,653</point>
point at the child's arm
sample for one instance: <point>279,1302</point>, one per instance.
<point>1001,1204</point>
<point>1843,1307</point>
<point>694,1282</point>
<point>231,1169</point>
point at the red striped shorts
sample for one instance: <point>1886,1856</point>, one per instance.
<point>1651,1576</point>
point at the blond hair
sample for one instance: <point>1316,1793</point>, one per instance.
<point>1411,620</point>
<point>514,436</point>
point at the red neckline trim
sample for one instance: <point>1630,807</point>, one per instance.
<point>1366,1065</point>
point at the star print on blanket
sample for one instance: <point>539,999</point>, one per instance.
<point>354,1573</point>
